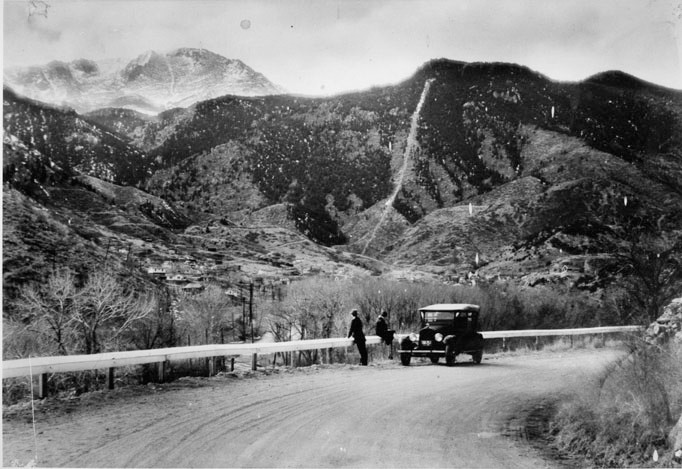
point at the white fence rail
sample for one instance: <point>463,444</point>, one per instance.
<point>59,364</point>
<point>559,332</point>
<point>40,365</point>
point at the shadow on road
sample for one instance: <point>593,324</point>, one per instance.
<point>463,364</point>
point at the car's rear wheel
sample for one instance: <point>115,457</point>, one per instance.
<point>434,358</point>
<point>405,358</point>
<point>450,354</point>
<point>477,356</point>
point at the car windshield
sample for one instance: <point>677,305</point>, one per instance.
<point>438,316</point>
<point>461,319</point>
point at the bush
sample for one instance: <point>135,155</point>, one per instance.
<point>503,306</point>
<point>628,413</point>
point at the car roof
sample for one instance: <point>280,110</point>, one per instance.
<point>451,307</point>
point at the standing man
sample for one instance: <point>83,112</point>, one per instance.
<point>358,336</point>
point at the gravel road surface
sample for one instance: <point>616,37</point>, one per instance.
<point>383,415</point>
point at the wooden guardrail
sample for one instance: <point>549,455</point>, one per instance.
<point>553,332</point>
<point>559,332</point>
<point>537,333</point>
<point>39,365</point>
<point>42,366</point>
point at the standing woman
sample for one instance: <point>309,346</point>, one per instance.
<point>358,336</point>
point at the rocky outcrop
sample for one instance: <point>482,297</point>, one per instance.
<point>668,326</point>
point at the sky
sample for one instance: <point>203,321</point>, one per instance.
<point>323,47</point>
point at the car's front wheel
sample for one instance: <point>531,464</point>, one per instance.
<point>405,358</point>
<point>477,356</point>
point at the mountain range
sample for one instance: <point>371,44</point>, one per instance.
<point>150,83</point>
<point>488,171</point>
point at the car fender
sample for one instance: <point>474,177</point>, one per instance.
<point>479,340</point>
<point>449,339</point>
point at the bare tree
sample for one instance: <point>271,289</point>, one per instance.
<point>652,264</point>
<point>82,319</point>
<point>331,302</point>
<point>206,314</point>
<point>400,300</point>
<point>50,308</point>
<point>311,309</point>
<point>19,341</point>
<point>302,312</point>
<point>158,329</point>
<point>106,309</point>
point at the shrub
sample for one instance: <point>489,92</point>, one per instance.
<point>628,413</point>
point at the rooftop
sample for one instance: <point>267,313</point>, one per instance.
<point>451,307</point>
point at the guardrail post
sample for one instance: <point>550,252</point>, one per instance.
<point>232,364</point>
<point>504,344</point>
<point>537,343</point>
<point>161,371</point>
<point>211,366</point>
<point>110,378</point>
<point>42,385</point>
<point>254,361</point>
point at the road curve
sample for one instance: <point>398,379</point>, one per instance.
<point>383,415</point>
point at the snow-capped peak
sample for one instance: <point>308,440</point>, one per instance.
<point>150,83</point>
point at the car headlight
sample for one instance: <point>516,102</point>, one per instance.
<point>438,337</point>
<point>414,337</point>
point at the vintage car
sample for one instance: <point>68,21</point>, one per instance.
<point>446,330</point>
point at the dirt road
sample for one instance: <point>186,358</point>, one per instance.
<point>383,415</point>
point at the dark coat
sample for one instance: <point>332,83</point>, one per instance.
<point>356,330</point>
<point>381,327</point>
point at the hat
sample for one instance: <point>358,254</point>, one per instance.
<point>384,313</point>
<point>354,312</point>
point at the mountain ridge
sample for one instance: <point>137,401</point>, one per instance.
<point>150,83</point>
<point>512,176</point>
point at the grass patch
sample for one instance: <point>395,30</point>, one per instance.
<point>624,419</point>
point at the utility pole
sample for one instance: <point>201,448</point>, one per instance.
<point>254,357</point>
<point>244,318</point>
<point>251,308</point>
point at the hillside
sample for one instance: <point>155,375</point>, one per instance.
<point>72,141</point>
<point>489,170</point>
<point>55,218</point>
<point>484,131</point>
